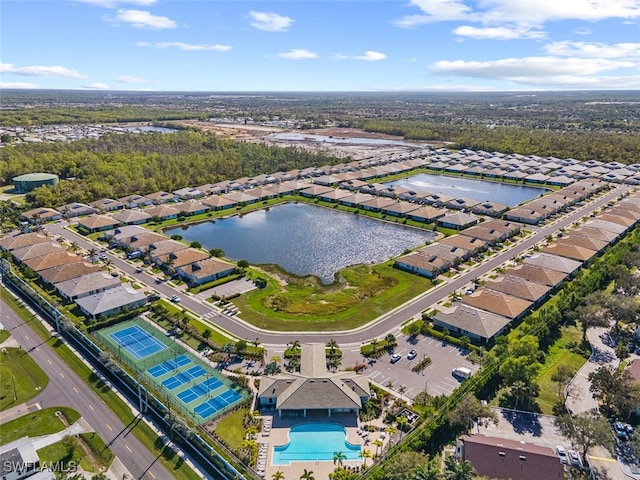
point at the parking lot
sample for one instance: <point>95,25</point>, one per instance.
<point>436,378</point>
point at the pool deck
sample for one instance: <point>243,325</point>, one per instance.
<point>279,435</point>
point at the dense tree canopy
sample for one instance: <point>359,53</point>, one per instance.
<point>117,165</point>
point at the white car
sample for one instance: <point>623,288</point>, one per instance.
<point>175,299</point>
<point>395,357</point>
<point>574,458</point>
<point>412,354</point>
<point>562,453</point>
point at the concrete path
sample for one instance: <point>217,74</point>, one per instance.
<point>81,426</point>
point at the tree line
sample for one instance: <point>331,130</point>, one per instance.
<point>121,164</point>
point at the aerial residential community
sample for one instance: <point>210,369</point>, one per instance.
<point>319,240</point>
<point>385,308</point>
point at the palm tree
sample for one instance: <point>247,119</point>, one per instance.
<point>374,346</point>
<point>458,471</point>
<point>364,454</point>
<point>74,246</point>
<point>92,251</point>
<point>378,443</point>
<point>333,346</point>
<point>307,475</point>
<point>279,475</point>
<point>294,346</point>
<point>429,471</point>
<point>339,458</point>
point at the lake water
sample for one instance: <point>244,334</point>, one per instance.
<point>305,239</point>
<point>348,140</point>
<point>505,193</point>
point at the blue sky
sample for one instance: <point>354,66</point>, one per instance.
<point>320,45</point>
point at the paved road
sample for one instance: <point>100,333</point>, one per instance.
<point>65,388</point>
<point>380,326</point>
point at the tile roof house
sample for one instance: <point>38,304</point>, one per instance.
<point>519,287</point>
<point>162,197</point>
<point>192,207</point>
<point>67,271</point>
<point>595,233</point>
<point>426,214</point>
<point>204,271</point>
<point>22,240</point>
<point>400,209</point>
<point>76,209</point>
<point>36,250</point>
<point>132,216</point>
<point>180,258</point>
<point>88,284</point>
<point>568,250</point>
<point>164,247</point>
<point>97,223</point>
<point>423,264</point>
<point>111,301</point>
<point>529,214</point>
<point>41,214</point>
<point>491,209</point>
<point>458,220</point>
<point>497,302</point>
<point>218,202</point>
<point>315,389</point>
<point>106,205</point>
<point>164,212</point>
<point>472,244</point>
<point>553,262</point>
<point>474,323</point>
<point>52,259</point>
<point>504,459</point>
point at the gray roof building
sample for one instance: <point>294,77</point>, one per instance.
<point>111,301</point>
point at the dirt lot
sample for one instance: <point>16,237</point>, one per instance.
<point>261,134</point>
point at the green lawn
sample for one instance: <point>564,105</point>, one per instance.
<point>231,429</point>
<point>20,378</point>
<point>87,450</point>
<point>42,422</point>
<point>363,293</point>
<point>144,433</point>
<point>4,335</point>
<point>559,354</point>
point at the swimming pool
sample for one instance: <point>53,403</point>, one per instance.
<point>314,441</point>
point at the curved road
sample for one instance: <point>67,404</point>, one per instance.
<point>378,327</point>
<point>65,388</point>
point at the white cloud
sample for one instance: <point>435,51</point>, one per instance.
<point>115,3</point>
<point>270,22</point>
<point>297,54</point>
<point>582,31</point>
<point>143,19</point>
<point>371,56</point>
<point>593,49</point>
<point>435,11</point>
<point>491,13</point>
<point>96,86</point>
<point>191,47</point>
<point>41,71</point>
<point>17,85</point>
<point>516,69</point>
<point>498,33</point>
<point>368,56</point>
<point>128,79</point>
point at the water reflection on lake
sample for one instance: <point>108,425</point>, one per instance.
<point>305,239</point>
<point>505,193</point>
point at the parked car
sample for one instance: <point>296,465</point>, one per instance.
<point>621,432</point>
<point>395,358</point>
<point>412,354</point>
<point>574,458</point>
<point>562,453</point>
<point>629,430</point>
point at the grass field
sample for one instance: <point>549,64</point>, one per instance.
<point>87,450</point>
<point>42,422</point>
<point>230,429</point>
<point>559,354</point>
<point>362,293</point>
<point>144,433</point>
<point>20,378</point>
<point>4,335</point>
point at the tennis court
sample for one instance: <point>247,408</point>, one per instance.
<point>184,377</point>
<point>137,342</point>
<point>199,390</point>
<point>168,366</point>
<point>216,404</point>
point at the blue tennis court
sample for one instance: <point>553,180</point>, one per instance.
<point>184,377</point>
<point>199,390</point>
<point>169,366</point>
<point>215,404</point>
<point>137,341</point>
